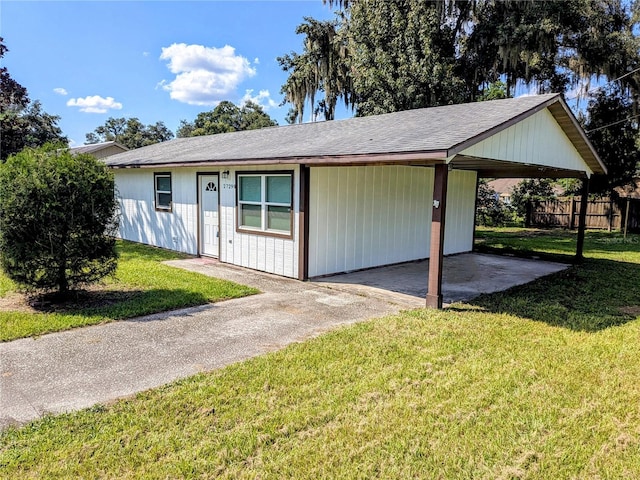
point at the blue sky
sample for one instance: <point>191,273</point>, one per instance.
<point>155,60</point>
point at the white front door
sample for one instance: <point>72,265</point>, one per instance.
<point>209,225</point>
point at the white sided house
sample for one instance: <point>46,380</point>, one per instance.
<point>320,198</point>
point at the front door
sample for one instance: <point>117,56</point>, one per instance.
<point>209,225</point>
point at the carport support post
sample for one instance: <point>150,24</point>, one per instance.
<point>436,250</point>
<point>582,219</point>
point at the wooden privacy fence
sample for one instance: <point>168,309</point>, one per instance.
<point>604,213</point>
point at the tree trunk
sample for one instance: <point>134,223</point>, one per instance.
<point>63,284</point>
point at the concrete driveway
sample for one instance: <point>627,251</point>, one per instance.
<point>78,368</point>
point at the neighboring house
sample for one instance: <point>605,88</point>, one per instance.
<point>320,198</point>
<point>504,188</point>
<point>628,191</point>
<point>100,150</point>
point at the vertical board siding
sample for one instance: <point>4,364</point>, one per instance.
<point>537,140</point>
<point>178,230</point>
<point>363,217</point>
<point>461,201</point>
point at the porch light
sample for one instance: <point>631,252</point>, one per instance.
<point>225,174</point>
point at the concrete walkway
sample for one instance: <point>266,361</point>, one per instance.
<point>78,368</point>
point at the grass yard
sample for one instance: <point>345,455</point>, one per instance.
<point>142,285</point>
<point>549,391</point>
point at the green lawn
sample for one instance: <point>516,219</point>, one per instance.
<point>551,391</point>
<point>142,285</point>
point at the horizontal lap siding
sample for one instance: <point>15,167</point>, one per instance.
<point>363,217</point>
<point>140,222</point>
<point>259,252</point>
<point>178,230</point>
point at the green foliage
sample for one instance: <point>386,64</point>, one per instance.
<point>130,132</point>
<point>612,128</point>
<point>474,391</point>
<point>227,117</point>
<point>142,285</point>
<point>57,219</point>
<point>323,66</point>
<point>390,56</point>
<point>403,57</point>
<point>490,211</point>
<point>531,189</point>
<point>495,91</point>
<point>22,123</point>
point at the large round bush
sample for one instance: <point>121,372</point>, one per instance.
<point>57,219</point>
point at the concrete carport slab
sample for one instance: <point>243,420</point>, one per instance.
<point>79,368</point>
<point>465,276</point>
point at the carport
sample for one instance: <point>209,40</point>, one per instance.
<point>352,194</point>
<point>544,142</point>
<point>531,137</point>
<point>464,277</point>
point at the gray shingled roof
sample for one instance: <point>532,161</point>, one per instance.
<point>435,131</point>
<point>94,147</point>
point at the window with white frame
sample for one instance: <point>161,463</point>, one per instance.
<point>163,194</point>
<point>264,202</point>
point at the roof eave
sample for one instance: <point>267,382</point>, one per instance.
<point>586,150</point>
<point>596,163</point>
<point>416,158</point>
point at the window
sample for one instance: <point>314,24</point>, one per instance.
<point>163,191</point>
<point>264,202</point>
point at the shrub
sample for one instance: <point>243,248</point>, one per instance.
<point>57,219</point>
<point>490,211</point>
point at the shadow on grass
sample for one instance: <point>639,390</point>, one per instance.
<point>119,304</point>
<point>591,296</point>
<point>141,252</point>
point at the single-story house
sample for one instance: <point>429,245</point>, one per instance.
<point>100,150</point>
<point>315,199</point>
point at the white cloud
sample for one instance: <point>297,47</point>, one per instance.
<point>94,104</point>
<point>145,54</point>
<point>256,61</point>
<point>60,91</point>
<point>204,75</point>
<point>263,98</point>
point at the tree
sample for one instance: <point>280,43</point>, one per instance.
<point>550,44</point>
<point>226,117</point>
<point>22,123</point>
<point>416,53</point>
<point>495,91</point>
<point>323,66</point>
<point>57,219</point>
<point>612,128</point>
<point>402,57</point>
<point>531,189</point>
<point>130,132</point>
<point>490,211</point>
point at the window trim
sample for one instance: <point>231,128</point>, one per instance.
<point>264,204</point>
<point>156,192</point>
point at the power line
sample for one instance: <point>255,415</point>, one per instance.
<point>607,83</point>
<point>612,124</point>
